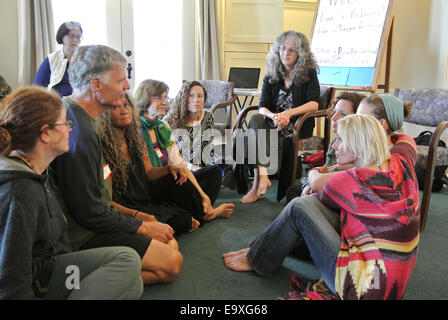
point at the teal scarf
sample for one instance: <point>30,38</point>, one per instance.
<point>163,134</point>
<point>394,111</point>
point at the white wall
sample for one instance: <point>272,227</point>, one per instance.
<point>439,38</point>
<point>417,51</point>
<point>9,44</point>
<point>188,71</point>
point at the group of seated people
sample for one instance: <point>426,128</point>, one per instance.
<point>99,181</point>
<point>358,219</point>
<point>103,174</point>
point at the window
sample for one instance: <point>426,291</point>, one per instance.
<point>156,30</point>
<point>158,42</point>
<point>93,21</point>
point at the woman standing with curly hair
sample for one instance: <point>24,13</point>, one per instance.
<point>290,89</point>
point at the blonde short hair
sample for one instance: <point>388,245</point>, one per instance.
<point>365,137</point>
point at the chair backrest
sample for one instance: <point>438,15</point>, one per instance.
<point>430,105</point>
<point>217,91</point>
<point>326,95</point>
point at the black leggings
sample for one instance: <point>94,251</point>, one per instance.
<point>210,180</point>
<point>187,197</point>
<point>166,191</point>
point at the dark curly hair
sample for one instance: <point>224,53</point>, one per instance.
<point>112,152</point>
<point>177,117</point>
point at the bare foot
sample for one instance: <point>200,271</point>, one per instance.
<point>263,186</point>
<point>194,225</point>
<point>238,263</point>
<point>235,253</point>
<point>250,197</point>
<point>224,211</point>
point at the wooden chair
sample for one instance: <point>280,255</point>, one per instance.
<point>220,95</point>
<point>430,110</point>
<point>312,143</point>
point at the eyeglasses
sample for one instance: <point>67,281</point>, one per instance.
<point>73,36</point>
<point>166,99</point>
<point>289,49</point>
<point>68,123</point>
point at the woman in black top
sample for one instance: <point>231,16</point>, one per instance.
<point>290,89</point>
<point>151,194</point>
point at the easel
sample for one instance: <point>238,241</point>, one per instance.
<point>386,85</point>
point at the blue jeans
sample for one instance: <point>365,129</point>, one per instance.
<point>304,222</point>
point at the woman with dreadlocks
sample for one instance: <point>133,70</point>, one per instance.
<point>139,189</point>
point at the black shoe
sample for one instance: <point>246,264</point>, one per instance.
<point>292,192</point>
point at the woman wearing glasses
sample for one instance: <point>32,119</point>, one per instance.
<point>152,103</point>
<point>53,72</point>
<point>290,89</point>
<point>35,257</point>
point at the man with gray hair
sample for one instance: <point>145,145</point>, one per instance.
<point>98,77</point>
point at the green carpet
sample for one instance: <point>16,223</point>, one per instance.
<point>204,276</point>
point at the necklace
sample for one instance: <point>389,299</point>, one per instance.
<point>17,155</point>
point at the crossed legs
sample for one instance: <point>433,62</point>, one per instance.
<point>161,262</point>
<point>259,187</point>
<point>304,222</point>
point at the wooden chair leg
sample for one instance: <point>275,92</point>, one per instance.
<point>427,189</point>
<point>430,166</point>
<point>424,208</point>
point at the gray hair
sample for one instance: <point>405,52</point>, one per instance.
<point>91,62</point>
<point>304,64</point>
<point>146,89</point>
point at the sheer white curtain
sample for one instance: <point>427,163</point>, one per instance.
<point>36,37</point>
<point>209,44</point>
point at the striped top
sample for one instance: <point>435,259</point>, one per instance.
<point>380,223</point>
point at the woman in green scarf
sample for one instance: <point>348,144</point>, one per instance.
<point>151,101</point>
